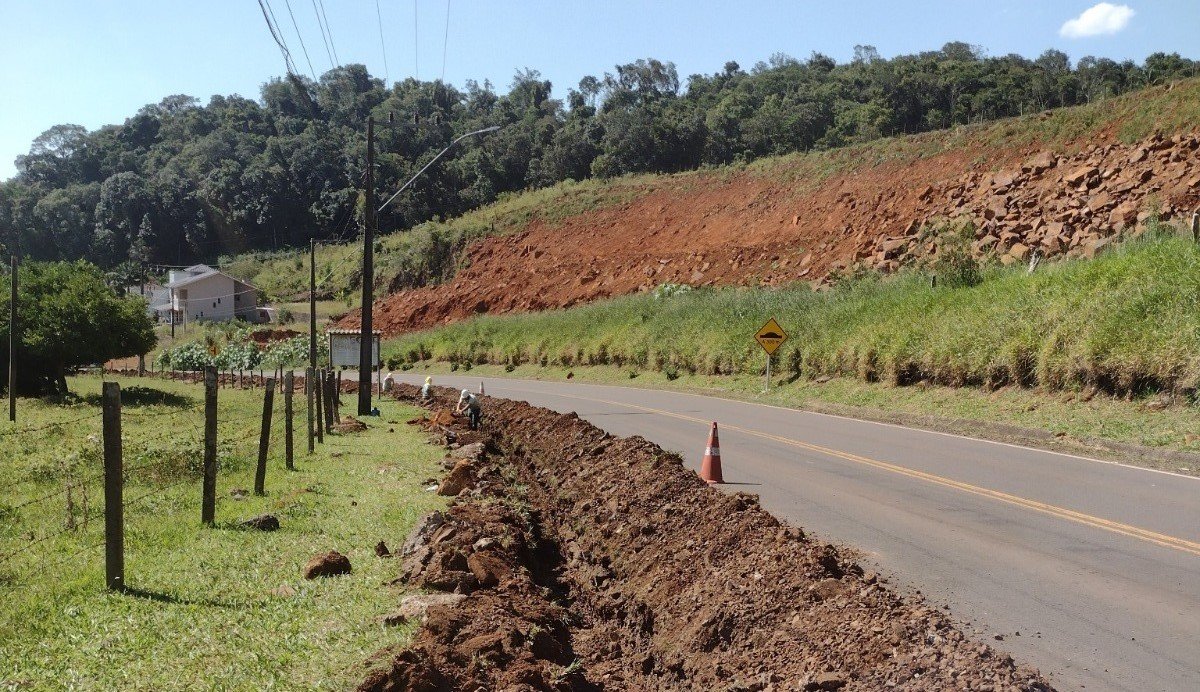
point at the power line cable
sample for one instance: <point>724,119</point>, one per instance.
<point>324,38</point>
<point>445,41</point>
<point>302,46</point>
<point>382,45</point>
<point>272,27</point>
<point>329,30</point>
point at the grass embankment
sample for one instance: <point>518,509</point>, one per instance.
<point>1126,323</point>
<point>217,607</point>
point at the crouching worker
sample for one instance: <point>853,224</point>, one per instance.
<point>472,405</point>
<point>427,389</point>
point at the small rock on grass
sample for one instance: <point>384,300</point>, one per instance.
<point>381,550</point>
<point>329,564</point>
<point>263,522</point>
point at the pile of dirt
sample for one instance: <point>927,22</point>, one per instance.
<point>748,228</point>
<point>349,424</point>
<point>594,562</point>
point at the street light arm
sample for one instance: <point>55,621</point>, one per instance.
<point>460,138</point>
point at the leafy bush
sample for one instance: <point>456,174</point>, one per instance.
<point>953,264</point>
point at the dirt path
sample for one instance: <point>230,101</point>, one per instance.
<point>594,562</point>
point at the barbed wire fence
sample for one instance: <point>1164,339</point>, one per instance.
<point>165,461</point>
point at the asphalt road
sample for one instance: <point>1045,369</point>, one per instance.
<point>1095,564</point>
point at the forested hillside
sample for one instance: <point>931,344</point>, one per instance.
<point>181,181</point>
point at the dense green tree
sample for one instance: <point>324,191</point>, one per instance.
<point>68,316</point>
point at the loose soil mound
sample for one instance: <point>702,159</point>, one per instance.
<point>749,228</point>
<point>593,562</point>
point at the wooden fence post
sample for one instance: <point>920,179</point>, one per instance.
<point>114,508</point>
<point>288,382</point>
<point>264,437</point>
<point>330,413</point>
<point>208,499</point>
<point>308,395</point>
<point>319,376</point>
<point>333,398</point>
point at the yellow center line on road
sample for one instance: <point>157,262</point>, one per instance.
<point>1163,540</point>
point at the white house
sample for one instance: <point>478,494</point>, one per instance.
<point>201,293</point>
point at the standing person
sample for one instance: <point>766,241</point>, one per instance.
<point>473,406</point>
<point>427,389</point>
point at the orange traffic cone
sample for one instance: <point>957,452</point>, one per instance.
<point>481,386</point>
<point>710,468</point>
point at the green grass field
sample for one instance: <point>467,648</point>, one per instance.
<point>220,608</point>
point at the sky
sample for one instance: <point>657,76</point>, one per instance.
<point>95,62</point>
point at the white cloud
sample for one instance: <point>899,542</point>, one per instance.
<point>1102,19</point>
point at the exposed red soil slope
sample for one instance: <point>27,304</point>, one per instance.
<point>750,228</point>
<point>592,562</point>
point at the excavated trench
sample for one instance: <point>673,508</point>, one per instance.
<point>593,562</point>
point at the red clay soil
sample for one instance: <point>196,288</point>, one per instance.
<point>748,228</point>
<point>593,562</point>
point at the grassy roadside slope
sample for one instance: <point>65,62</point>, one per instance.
<point>1074,340</point>
<point>1126,322</point>
<point>222,607</point>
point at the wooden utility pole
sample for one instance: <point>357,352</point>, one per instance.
<point>365,350</point>
<point>12,344</point>
<point>142,290</point>
<point>312,303</point>
<point>114,503</point>
<point>264,438</point>
<point>208,499</point>
<point>288,384</point>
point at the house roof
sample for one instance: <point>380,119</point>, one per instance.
<point>206,272</point>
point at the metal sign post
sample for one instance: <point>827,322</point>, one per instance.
<point>345,351</point>
<point>770,336</point>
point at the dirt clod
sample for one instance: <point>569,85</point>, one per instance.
<point>263,522</point>
<point>461,478</point>
<point>329,564</point>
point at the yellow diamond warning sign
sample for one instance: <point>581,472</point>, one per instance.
<point>771,336</point>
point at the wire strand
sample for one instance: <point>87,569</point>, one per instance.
<point>329,30</point>
<point>324,39</point>
<point>445,41</point>
<point>302,46</point>
<point>382,45</point>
